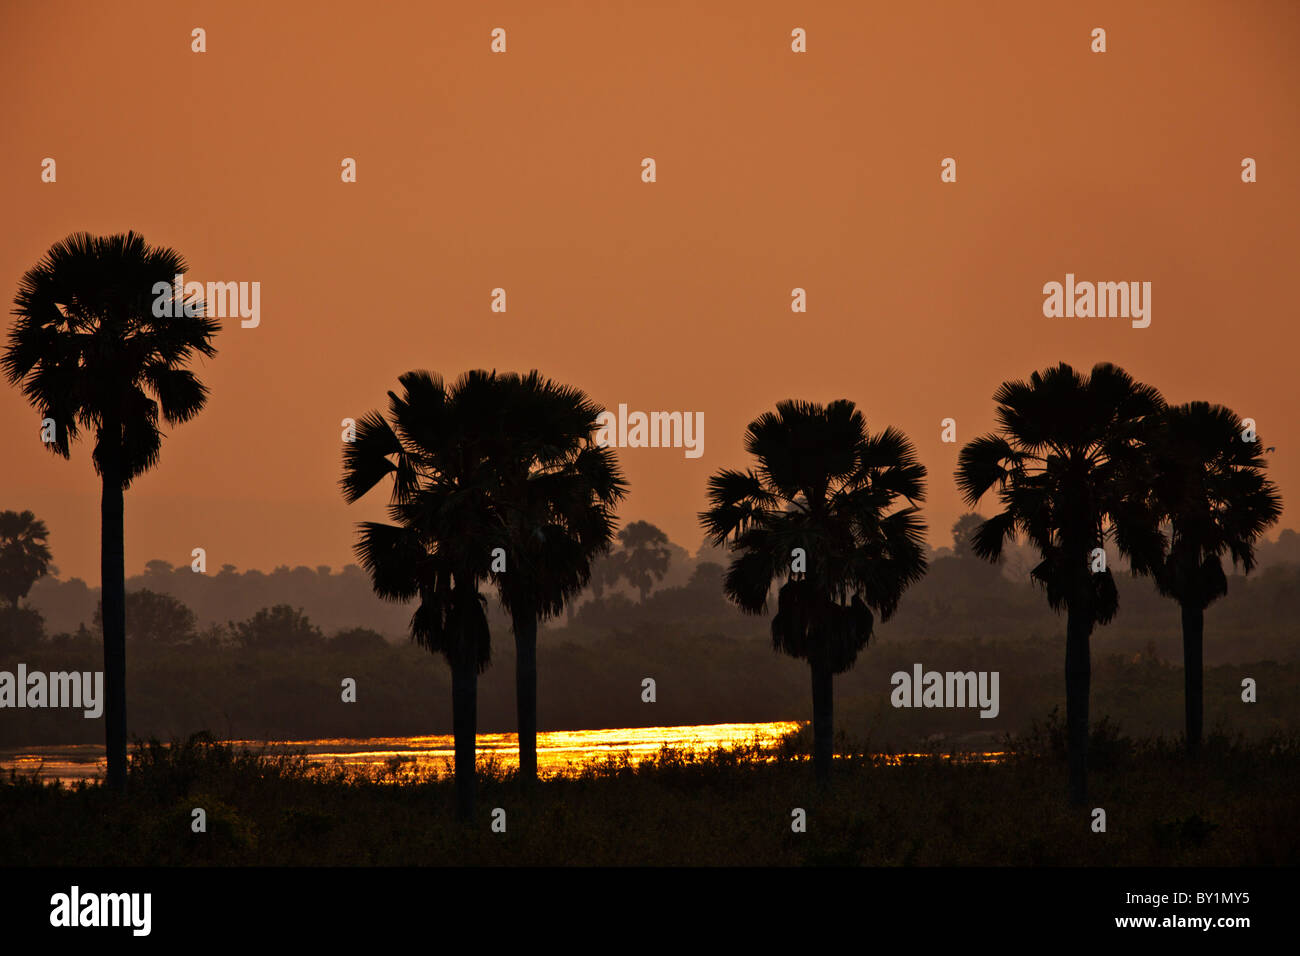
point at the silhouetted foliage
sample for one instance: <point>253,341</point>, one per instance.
<point>1064,465</point>
<point>89,352</point>
<point>1206,484</point>
<point>642,557</point>
<point>438,550</point>
<point>154,618</point>
<point>675,808</point>
<point>24,554</point>
<point>828,491</point>
<point>963,530</point>
<point>551,492</point>
<point>277,627</point>
<point>21,628</point>
<point>357,640</point>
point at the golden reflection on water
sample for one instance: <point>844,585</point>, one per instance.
<point>559,752</point>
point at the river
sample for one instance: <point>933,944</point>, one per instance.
<point>563,752</point>
<point>558,751</point>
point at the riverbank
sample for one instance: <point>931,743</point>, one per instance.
<point>728,807</point>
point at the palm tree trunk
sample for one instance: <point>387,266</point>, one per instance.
<point>112,584</point>
<point>525,626</point>
<point>1078,678</point>
<point>464,720</point>
<point>823,720</point>
<point>1193,675</point>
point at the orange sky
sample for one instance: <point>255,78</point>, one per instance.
<point>775,170</point>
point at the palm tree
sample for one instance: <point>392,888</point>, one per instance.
<point>553,494</point>
<point>432,447</point>
<point>1063,463</point>
<point>822,512</point>
<point>89,352</point>
<point>1208,486</point>
<point>644,556</point>
<point>24,554</point>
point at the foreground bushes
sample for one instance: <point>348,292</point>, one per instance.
<point>731,807</point>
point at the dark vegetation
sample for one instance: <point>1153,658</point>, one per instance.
<point>495,481</point>
<point>830,516</point>
<point>88,351</point>
<point>276,673</point>
<point>1235,806</point>
<point>500,482</point>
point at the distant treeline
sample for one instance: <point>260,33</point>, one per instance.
<point>274,667</point>
<point>343,599</point>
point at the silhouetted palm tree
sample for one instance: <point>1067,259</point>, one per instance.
<point>1207,487</point>
<point>552,497</point>
<point>644,556</point>
<point>24,554</point>
<point>1062,462</point>
<point>442,475</point>
<point>823,485</point>
<point>89,352</point>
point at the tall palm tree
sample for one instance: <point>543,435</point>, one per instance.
<point>553,495</point>
<point>824,485</point>
<point>1063,462</point>
<point>433,448</point>
<point>24,554</point>
<point>1207,487</point>
<point>89,353</point>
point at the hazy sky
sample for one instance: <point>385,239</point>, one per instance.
<point>775,170</point>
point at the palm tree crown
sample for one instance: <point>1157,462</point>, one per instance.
<point>1208,485</point>
<point>1063,462</point>
<point>824,485</point>
<point>439,505</point>
<point>89,353</point>
<point>832,511</point>
<point>553,491</point>
<point>24,554</point>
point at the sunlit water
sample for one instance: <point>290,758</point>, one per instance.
<point>563,752</point>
